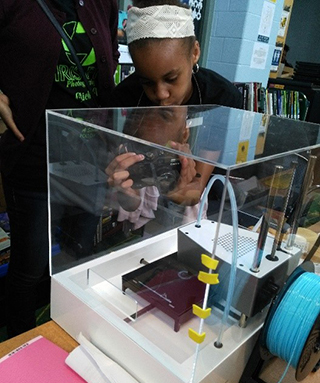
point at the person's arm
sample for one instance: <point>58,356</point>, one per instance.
<point>192,180</point>
<point>7,118</point>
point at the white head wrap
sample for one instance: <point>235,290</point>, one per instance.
<point>160,22</point>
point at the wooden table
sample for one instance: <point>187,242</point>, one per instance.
<point>49,330</point>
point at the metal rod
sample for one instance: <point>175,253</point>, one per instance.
<point>266,221</point>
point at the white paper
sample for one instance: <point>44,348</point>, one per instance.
<point>259,55</point>
<point>266,21</point>
<point>94,366</point>
<point>246,126</point>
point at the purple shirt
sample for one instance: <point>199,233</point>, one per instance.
<point>30,47</point>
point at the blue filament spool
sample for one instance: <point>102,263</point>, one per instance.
<point>292,328</point>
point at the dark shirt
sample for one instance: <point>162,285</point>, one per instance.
<point>31,47</point>
<point>69,87</point>
<point>214,89</point>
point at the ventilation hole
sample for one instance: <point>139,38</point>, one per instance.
<point>245,244</point>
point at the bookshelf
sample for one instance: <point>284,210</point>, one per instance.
<point>276,100</point>
<point>287,103</point>
<point>312,93</point>
<point>311,90</point>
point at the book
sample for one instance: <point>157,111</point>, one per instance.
<point>253,96</point>
<point>262,100</point>
<point>38,360</point>
<point>4,251</point>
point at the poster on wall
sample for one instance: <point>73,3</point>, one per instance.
<point>276,59</point>
<point>266,21</point>
<point>283,23</point>
<point>259,55</point>
<point>276,65</point>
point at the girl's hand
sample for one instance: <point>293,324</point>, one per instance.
<point>188,189</point>
<point>119,178</point>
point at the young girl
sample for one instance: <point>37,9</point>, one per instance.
<point>165,54</point>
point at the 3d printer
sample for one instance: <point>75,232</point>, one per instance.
<point>153,301</point>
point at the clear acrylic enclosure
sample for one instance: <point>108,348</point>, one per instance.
<point>177,226</point>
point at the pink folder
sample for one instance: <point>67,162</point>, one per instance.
<point>37,361</point>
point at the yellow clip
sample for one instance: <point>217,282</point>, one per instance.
<point>201,313</point>
<point>211,279</point>
<point>196,337</point>
<point>209,262</point>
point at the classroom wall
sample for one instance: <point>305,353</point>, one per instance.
<point>232,37</point>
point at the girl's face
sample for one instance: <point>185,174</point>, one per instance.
<point>160,125</point>
<point>165,70</point>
